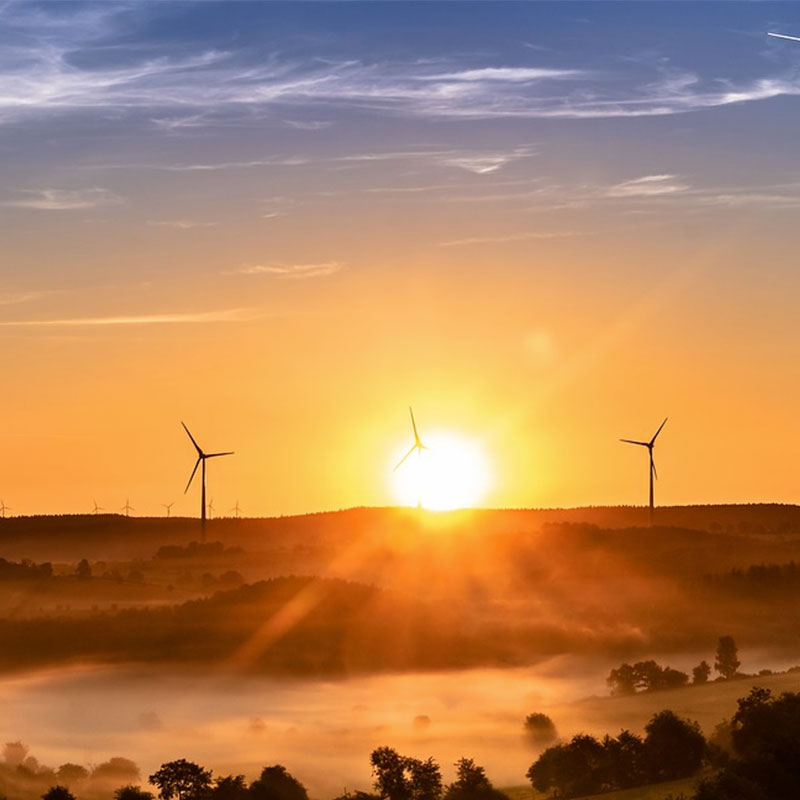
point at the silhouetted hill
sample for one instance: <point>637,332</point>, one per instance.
<point>112,536</point>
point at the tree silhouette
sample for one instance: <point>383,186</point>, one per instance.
<point>276,783</point>
<point>701,673</point>
<point>181,779</point>
<point>727,662</point>
<point>675,747</point>
<point>230,787</point>
<point>58,792</point>
<point>471,783</point>
<point>131,792</point>
<point>401,778</point>
<point>540,729</point>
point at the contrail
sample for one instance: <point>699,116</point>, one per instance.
<point>784,36</point>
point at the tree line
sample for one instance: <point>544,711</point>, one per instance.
<point>754,756</point>
<point>649,676</point>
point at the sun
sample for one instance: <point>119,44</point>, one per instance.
<point>452,472</point>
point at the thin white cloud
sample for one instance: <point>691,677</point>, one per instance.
<point>506,74</point>
<point>292,271</point>
<point>65,199</point>
<point>512,237</point>
<point>289,161</point>
<point>308,125</point>
<point>13,298</point>
<point>50,65</point>
<point>225,315</point>
<point>647,186</point>
<point>180,224</point>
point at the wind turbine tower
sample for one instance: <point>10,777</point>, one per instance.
<point>653,474</point>
<point>202,457</point>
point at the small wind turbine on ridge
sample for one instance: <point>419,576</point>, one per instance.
<point>211,508</point>
<point>168,506</point>
<point>202,457</point>
<point>97,508</point>
<point>3,509</point>
<point>236,510</point>
<point>653,474</point>
<point>127,508</point>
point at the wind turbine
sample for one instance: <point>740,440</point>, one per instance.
<point>236,510</point>
<point>211,508</point>
<point>3,509</point>
<point>417,443</point>
<point>168,506</point>
<point>653,474</point>
<point>202,457</point>
<point>127,508</point>
<point>96,507</point>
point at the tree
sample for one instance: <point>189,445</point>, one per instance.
<point>471,783</point>
<point>727,662</point>
<point>622,680</point>
<point>83,570</point>
<point>540,729</point>
<point>572,769</point>
<point>72,773</point>
<point>58,792</point>
<point>401,778</point>
<point>276,783</point>
<point>131,792</point>
<point>626,761</point>
<point>230,787</point>
<point>182,779</point>
<point>701,673</point>
<point>728,785</point>
<point>674,747</point>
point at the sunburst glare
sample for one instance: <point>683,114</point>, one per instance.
<point>451,472</point>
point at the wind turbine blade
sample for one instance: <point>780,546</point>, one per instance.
<point>399,463</point>
<point>653,440</point>
<point>196,465</point>
<point>196,446</point>
<point>784,36</point>
<point>414,426</point>
<point>214,455</point>
<point>655,471</point>
<point>633,441</point>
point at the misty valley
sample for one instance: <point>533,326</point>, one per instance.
<point>313,641</point>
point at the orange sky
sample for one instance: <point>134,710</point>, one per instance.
<point>288,279</point>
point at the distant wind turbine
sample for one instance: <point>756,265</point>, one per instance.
<point>784,36</point>
<point>211,508</point>
<point>127,508</point>
<point>653,474</point>
<point>97,507</point>
<point>3,509</point>
<point>236,510</point>
<point>202,457</point>
<point>168,506</point>
<point>418,446</point>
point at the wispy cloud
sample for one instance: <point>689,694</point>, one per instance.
<point>180,224</point>
<point>181,318</point>
<point>13,298</point>
<point>647,186</point>
<point>512,237</point>
<point>293,271</point>
<point>50,65</point>
<point>65,199</point>
<point>308,125</point>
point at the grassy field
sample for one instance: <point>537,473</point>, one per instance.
<point>707,704</point>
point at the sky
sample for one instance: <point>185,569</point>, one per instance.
<point>545,226</point>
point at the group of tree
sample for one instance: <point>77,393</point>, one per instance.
<point>772,577</point>
<point>649,676</point>
<point>672,748</point>
<point>212,550</point>
<point>764,743</point>
<point>400,777</point>
<point>24,570</point>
